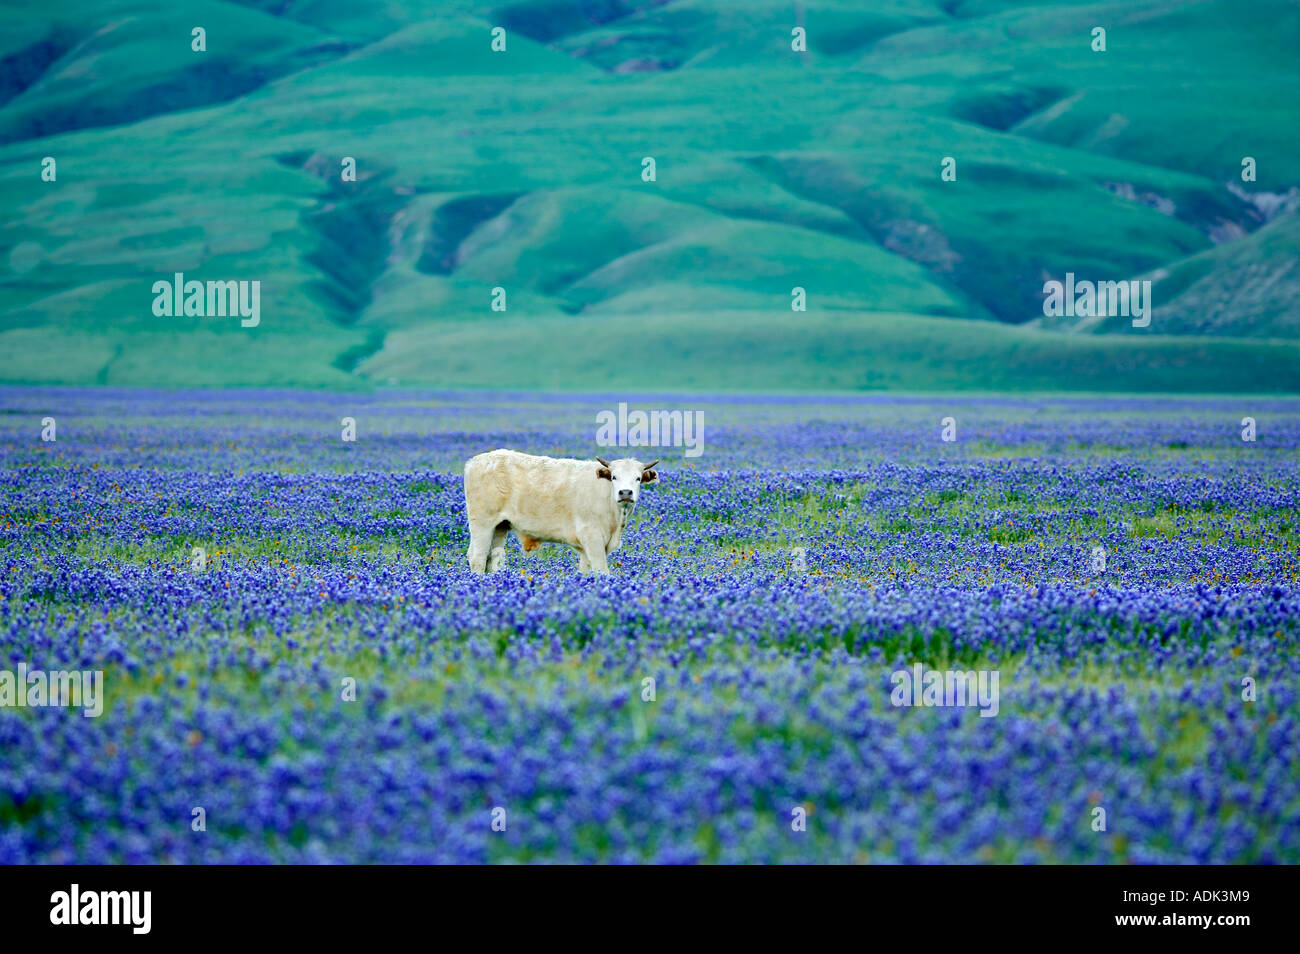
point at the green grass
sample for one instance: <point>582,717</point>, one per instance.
<point>522,170</point>
<point>756,351</point>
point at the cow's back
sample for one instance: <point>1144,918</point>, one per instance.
<point>538,494</point>
<point>488,480</point>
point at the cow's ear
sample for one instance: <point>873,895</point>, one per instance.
<point>649,477</point>
<point>604,473</point>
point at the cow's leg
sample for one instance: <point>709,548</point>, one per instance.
<point>497,553</point>
<point>594,549</point>
<point>480,543</point>
<point>584,567</point>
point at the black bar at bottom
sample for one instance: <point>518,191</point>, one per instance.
<point>333,904</point>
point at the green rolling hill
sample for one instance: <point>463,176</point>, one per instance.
<point>775,169</point>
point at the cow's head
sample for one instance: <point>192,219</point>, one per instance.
<point>626,477</point>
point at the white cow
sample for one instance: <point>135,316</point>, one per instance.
<point>582,503</point>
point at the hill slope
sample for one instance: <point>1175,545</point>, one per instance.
<point>522,170</point>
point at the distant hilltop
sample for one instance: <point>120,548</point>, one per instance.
<point>720,196</point>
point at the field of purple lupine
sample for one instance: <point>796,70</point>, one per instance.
<point>1130,568</point>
